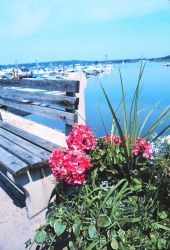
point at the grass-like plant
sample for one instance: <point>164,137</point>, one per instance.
<point>131,128</point>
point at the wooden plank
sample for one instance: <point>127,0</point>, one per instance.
<point>8,184</point>
<point>11,162</point>
<point>16,111</point>
<point>23,96</point>
<point>51,85</point>
<point>20,152</point>
<point>36,150</point>
<point>51,113</point>
<point>68,127</point>
<point>29,137</point>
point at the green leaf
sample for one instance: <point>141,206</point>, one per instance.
<point>130,220</point>
<point>146,119</point>
<point>72,245</point>
<point>52,248</point>
<point>137,181</point>
<point>114,244</point>
<point>104,221</point>
<point>136,188</point>
<point>134,106</point>
<point>92,231</point>
<point>40,237</point>
<point>154,237</point>
<point>109,193</point>
<point>117,124</point>
<point>59,227</point>
<point>117,198</point>
<point>54,192</point>
<point>161,243</point>
<point>137,184</point>
<point>76,228</point>
<point>124,113</point>
<point>52,223</point>
<point>92,245</point>
<point>109,202</point>
<point>28,243</point>
<point>162,131</point>
<point>160,226</point>
<point>103,241</point>
<point>162,215</point>
<point>157,123</point>
<point>121,233</point>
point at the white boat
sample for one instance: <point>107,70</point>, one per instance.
<point>93,70</point>
<point>166,64</point>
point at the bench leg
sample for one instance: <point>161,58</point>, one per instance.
<point>38,186</point>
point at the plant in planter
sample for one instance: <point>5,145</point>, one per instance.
<point>112,192</point>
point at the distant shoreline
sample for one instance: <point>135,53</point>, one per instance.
<point>112,61</point>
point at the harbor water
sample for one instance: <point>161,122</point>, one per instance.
<point>155,89</point>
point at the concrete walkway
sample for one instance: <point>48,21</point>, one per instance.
<point>15,227</point>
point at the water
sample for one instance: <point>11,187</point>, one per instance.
<point>155,87</point>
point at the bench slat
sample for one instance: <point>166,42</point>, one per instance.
<point>51,85</point>
<point>29,137</point>
<point>68,118</point>
<point>64,101</point>
<point>20,152</point>
<point>41,153</point>
<point>10,162</point>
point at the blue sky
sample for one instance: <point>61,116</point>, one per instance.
<point>83,29</point>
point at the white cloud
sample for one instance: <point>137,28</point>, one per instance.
<point>72,14</point>
<point>106,10</point>
<point>22,18</point>
<point>25,17</point>
<point>121,9</point>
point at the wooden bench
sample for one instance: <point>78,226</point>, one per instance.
<point>24,156</point>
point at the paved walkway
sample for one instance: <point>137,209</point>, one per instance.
<point>15,227</point>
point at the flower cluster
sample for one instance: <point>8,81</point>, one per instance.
<point>142,148</point>
<point>160,147</point>
<point>69,166</point>
<point>114,139</point>
<point>81,138</point>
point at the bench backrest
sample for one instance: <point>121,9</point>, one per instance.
<point>60,105</point>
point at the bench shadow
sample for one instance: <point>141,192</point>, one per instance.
<point>16,196</point>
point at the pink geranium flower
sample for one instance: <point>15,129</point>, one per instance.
<point>142,147</point>
<point>69,166</point>
<point>115,139</point>
<point>81,138</point>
